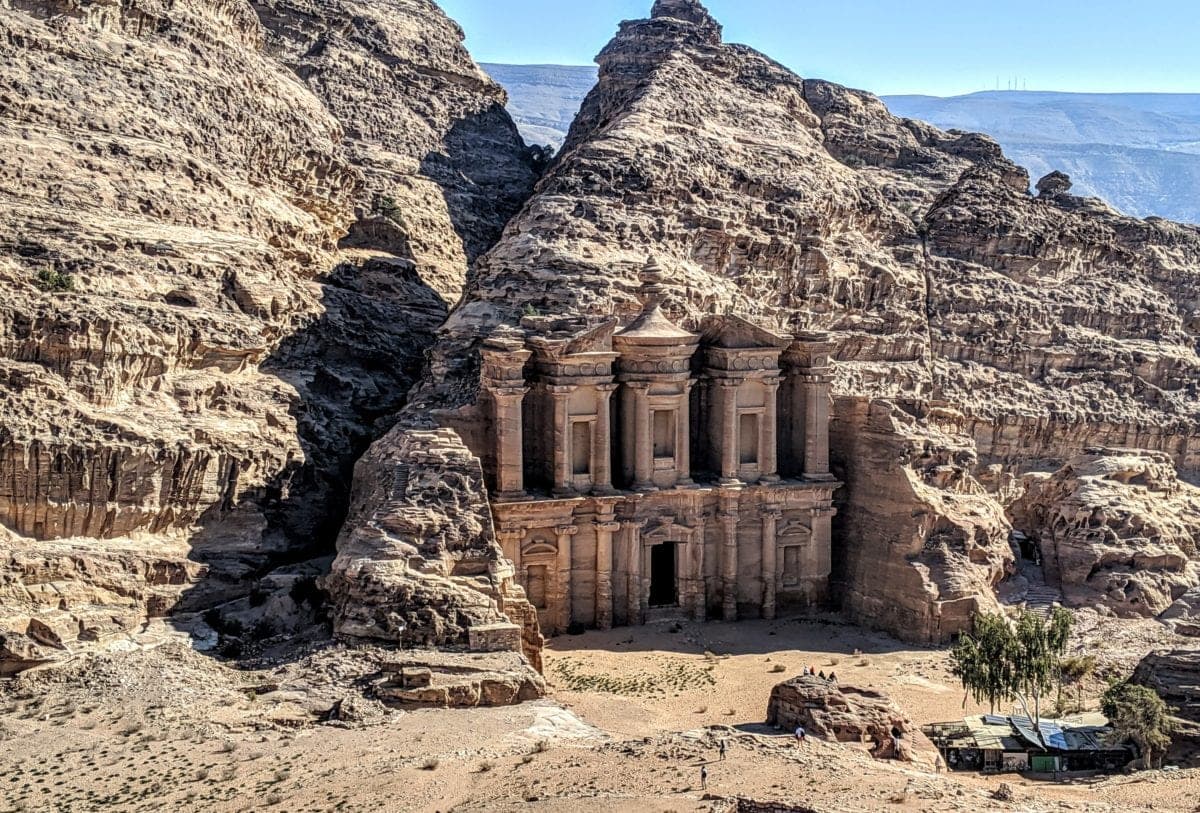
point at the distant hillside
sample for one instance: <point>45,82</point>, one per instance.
<point>543,99</point>
<point>1138,151</point>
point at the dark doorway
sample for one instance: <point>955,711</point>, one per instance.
<point>663,591</point>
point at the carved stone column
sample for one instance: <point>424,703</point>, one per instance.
<point>816,424</point>
<point>727,391</point>
<point>633,584</point>
<point>700,599</point>
<point>604,598</point>
<point>770,567</point>
<point>602,441</point>
<point>562,581</point>
<point>683,437</point>
<point>561,433</point>
<point>729,562</point>
<point>643,443</point>
<point>507,423</point>
<point>770,441</point>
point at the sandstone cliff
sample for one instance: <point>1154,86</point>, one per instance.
<point>190,363</point>
<point>1007,331</point>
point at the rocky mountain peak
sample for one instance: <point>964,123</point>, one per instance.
<point>690,11</point>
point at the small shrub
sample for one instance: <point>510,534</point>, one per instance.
<point>834,661</point>
<point>430,764</point>
<point>485,766</point>
<point>779,667</point>
<point>54,281</point>
<point>525,760</point>
<point>702,710</point>
<point>541,746</point>
<point>228,747</point>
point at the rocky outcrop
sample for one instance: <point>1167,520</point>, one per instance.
<point>418,562</point>
<point>847,713</point>
<point>1117,528</point>
<point>191,354</point>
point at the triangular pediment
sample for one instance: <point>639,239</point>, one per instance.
<point>733,332</point>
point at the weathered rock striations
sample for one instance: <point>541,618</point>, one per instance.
<point>444,166</point>
<point>1013,330</point>
<point>1116,528</point>
<point>189,362</point>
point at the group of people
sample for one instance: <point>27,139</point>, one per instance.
<point>808,670</point>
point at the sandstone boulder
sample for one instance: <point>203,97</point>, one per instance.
<point>846,714</point>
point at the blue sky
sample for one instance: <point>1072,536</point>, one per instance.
<point>941,47</point>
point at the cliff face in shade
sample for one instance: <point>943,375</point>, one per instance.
<point>1006,332</point>
<point>189,411</point>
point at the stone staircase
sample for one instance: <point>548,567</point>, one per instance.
<point>1040,597</point>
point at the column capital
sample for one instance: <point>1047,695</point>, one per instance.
<point>772,381</point>
<point>610,527</point>
<point>510,533</point>
<point>561,389</point>
<point>771,512</point>
<point>729,383</point>
<point>610,387</point>
<point>637,385</point>
<point>567,530</point>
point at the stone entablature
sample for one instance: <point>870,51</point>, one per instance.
<point>652,467</point>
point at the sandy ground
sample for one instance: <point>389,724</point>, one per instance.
<point>632,716</point>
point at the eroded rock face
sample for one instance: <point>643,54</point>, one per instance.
<point>929,542</point>
<point>1117,527</point>
<point>189,411</point>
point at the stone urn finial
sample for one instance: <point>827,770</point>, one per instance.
<point>652,288</point>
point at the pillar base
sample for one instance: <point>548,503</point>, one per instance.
<point>564,493</point>
<point>604,491</point>
<point>769,478</point>
<point>645,488</point>
<point>822,477</point>
<point>510,496</point>
<point>730,481</point>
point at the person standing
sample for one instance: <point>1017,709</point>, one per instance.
<point>721,749</point>
<point>703,777</point>
<point>800,734</point>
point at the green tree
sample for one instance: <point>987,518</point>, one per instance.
<point>1001,660</point>
<point>1140,716</point>
<point>1073,671</point>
